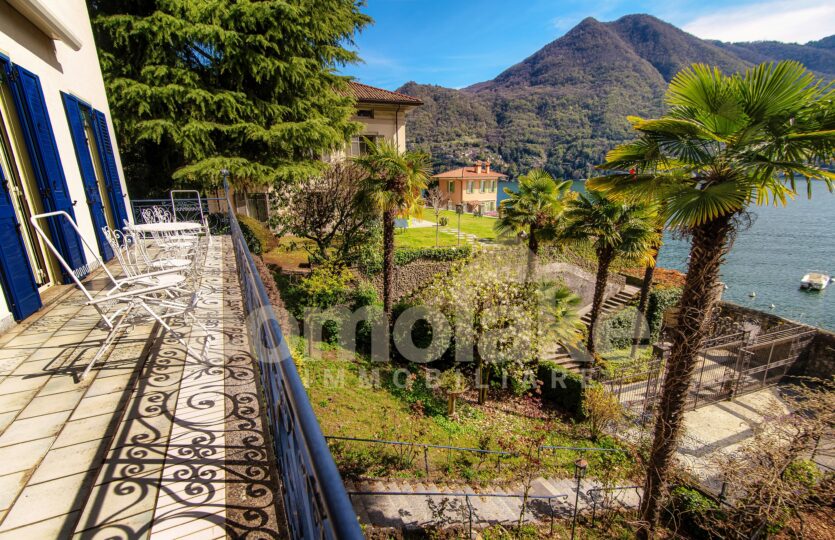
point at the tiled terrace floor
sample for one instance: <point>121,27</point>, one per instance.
<point>152,444</point>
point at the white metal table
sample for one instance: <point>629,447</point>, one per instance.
<point>167,227</point>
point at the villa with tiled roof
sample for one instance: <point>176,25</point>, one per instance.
<point>475,187</point>
<point>382,114</point>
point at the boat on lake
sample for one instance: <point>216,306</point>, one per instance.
<point>815,281</point>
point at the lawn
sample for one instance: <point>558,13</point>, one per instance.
<point>482,227</point>
<point>360,399</point>
<point>423,237</point>
<point>290,254</point>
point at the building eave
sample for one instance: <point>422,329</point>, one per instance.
<point>42,16</point>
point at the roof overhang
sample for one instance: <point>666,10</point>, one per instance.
<point>42,16</point>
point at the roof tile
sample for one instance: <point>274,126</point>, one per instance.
<point>371,94</point>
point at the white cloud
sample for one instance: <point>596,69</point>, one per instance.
<point>796,21</point>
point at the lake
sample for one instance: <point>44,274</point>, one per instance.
<point>771,257</point>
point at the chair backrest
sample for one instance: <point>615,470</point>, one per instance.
<point>187,205</point>
<point>124,247</point>
<point>74,273</point>
<point>163,215</point>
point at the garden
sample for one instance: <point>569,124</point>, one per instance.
<point>425,359</point>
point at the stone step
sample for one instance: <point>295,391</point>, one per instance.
<point>420,511</point>
<point>358,503</point>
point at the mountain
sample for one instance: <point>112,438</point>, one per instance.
<point>565,106</point>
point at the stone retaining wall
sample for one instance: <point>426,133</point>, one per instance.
<point>818,360</point>
<point>412,277</point>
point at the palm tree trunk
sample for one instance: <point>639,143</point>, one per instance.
<point>708,248</point>
<point>533,253</point>
<point>388,261</point>
<point>643,302</point>
<point>641,314</point>
<point>604,260</point>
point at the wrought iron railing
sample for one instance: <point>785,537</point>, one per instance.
<point>315,501</point>
<point>214,209</point>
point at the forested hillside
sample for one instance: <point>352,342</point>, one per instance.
<point>564,106</point>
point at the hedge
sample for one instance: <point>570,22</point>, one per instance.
<point>403,257</point>
<point>567,396</point>
<point>660,300</point>
<point>259,238</point>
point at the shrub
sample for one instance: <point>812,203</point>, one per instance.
<point>690,510</point>
<point>602,409</point>
<point>259,238</point>
<point>365,294</point>
<point>615,332</point>
<point>803,472</point>
<point>325,287</point>
<point>403,257</point>
<point>567,396</point>
<point>660,300</point>
<point>421,330</point>
<point>443,221</point>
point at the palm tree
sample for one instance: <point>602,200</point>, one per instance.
<point>728,141</point>
<point>392,184</point>
<point>615,230</point>
<point>533,210</point>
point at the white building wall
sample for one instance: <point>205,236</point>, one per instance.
<point>61,69</point>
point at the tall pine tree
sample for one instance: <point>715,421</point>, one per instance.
<point>196,86</point>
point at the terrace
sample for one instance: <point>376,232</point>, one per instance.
<point>155,443</point>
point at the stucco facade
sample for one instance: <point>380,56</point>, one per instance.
<point>382,114</point>
<point>475,187</point>
<point>52,45</point>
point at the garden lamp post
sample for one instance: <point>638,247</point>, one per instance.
<point>580,467</point>
<point>459,209</point>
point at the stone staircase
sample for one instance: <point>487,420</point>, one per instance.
<point>411,505</point>
<point>574,360</point>
<point>614,303</point>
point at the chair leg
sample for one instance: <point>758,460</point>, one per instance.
<point>173,332</point>
<point>108,341</point>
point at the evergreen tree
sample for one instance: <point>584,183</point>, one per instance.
<point>245,85</point>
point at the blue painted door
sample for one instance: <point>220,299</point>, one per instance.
<point>16,275</point>
<point>46,163</point>
<point>75,117</point>
<point>111,172</point>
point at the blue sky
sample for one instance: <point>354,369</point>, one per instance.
<point>456,43</point>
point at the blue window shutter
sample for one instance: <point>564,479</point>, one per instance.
<point>16,276</point>
<point>46,162</point>
<point>75,117</point>
<point>111,172</point>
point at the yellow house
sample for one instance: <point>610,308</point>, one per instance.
<point>475,187</point>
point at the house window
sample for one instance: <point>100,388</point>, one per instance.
<point>470,186</point>
<point>492,186</point>
<point>481,186</point>
<point>451,186</point>
<point>359,144</point>
<point>365,113</point>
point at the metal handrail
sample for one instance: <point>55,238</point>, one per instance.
<point>422,445</point>
<point>498,453</point>
<point>315,500</point>
<point>583,448</point>
<point>466,495</point>
<point>605,489</point>
<point>426,446</point>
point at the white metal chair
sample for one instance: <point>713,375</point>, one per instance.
<point>117,305</point>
